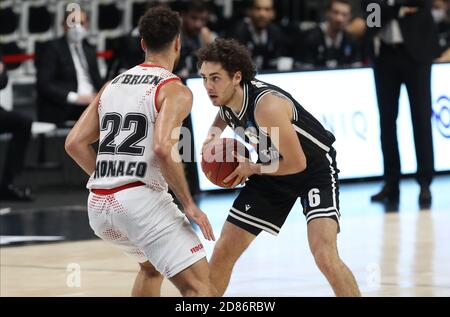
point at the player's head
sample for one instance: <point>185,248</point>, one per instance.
<point>224,66</point>
<point>160,29</point>
<point>195,16</point>
<point>339,13</point>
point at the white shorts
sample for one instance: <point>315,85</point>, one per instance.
<point>147,226</point>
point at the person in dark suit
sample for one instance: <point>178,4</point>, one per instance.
<point>20,127</point>
<point>67,73</point>
<point>264,40</point>
<point>329,44</point>
<point>407,47</point>
<point>128,53</point>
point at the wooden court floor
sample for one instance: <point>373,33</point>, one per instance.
<point>404,253</point>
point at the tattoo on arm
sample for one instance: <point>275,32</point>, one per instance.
<point>279,95</point>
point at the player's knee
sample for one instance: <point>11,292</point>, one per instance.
<point>224,252</point>
<point>326,258</point>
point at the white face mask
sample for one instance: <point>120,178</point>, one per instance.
<point>438,15</point>
<point>76,34</point>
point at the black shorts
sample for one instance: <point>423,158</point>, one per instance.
<point>265,201</point>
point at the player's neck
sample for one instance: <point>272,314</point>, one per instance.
<point>159,60</point>
<point>236,101</point>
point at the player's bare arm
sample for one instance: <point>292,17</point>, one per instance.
<point>175,103</point>
<point>216,130</point>
<point>85,132</point>
<point>274,114</point>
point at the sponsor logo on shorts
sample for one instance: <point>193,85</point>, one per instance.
<point>197,248</point>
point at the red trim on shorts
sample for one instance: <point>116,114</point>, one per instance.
<point>104,192</point>
<point>159,87</point>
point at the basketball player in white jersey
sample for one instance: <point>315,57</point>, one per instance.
<point>133,117</point>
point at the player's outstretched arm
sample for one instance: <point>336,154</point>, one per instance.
<point>175,102</point>
<point>85,132</point>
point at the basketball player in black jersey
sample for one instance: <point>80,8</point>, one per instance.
<point>295,159</point>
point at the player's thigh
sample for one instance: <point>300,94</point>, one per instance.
<point>194,277</point>
<point>233,241</point>
<point>163,233</point>
<point>322,235</point>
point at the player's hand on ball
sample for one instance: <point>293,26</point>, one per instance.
<point>210,138</point>
<point>244,170</point>
<point>199,217</point>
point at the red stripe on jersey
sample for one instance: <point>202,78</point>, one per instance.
<point>159,87</point>
<point>104,192</point>
<point>152,65</point>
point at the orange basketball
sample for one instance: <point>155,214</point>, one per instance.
<point>218,161</point>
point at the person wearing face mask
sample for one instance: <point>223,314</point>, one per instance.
<point>264,39</point>
<point>441,17</point>
<point>67,73</point>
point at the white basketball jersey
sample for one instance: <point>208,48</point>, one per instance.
<point>127,114</point>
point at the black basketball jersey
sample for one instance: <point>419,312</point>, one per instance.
<point>314,138</point>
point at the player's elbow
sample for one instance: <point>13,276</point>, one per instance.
<point>299,165</point>
<point>71,145</point>
<point>302,166</point>
<point>162,150</point>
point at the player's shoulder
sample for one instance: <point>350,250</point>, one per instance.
<point>174,85</point>
<point>271,105</point>
<point>271,99</point>
<point>174,90</point>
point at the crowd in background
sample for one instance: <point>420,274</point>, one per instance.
<point>68,75</point>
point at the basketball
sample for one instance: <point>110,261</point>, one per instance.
<point>218,161</point>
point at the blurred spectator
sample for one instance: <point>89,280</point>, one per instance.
<point>128,51</point>
<point>407,48</point>
<point>330,44</point>
<point>20,128</point>
<point>441,16</point>
<point>357,27</point>
<point>127,54</point>
<point>264,39</point>
<point>67,73</point>
<point>194,35</point>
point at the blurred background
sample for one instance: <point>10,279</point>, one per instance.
<point>283,35</point>
<point>319,50</point>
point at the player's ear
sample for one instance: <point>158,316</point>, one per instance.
<point>143,46</point>
<point>178,43</point>
<point>237,78</point>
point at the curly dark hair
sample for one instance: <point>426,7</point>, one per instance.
<point>158,27</point>
<point>231,55</point>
